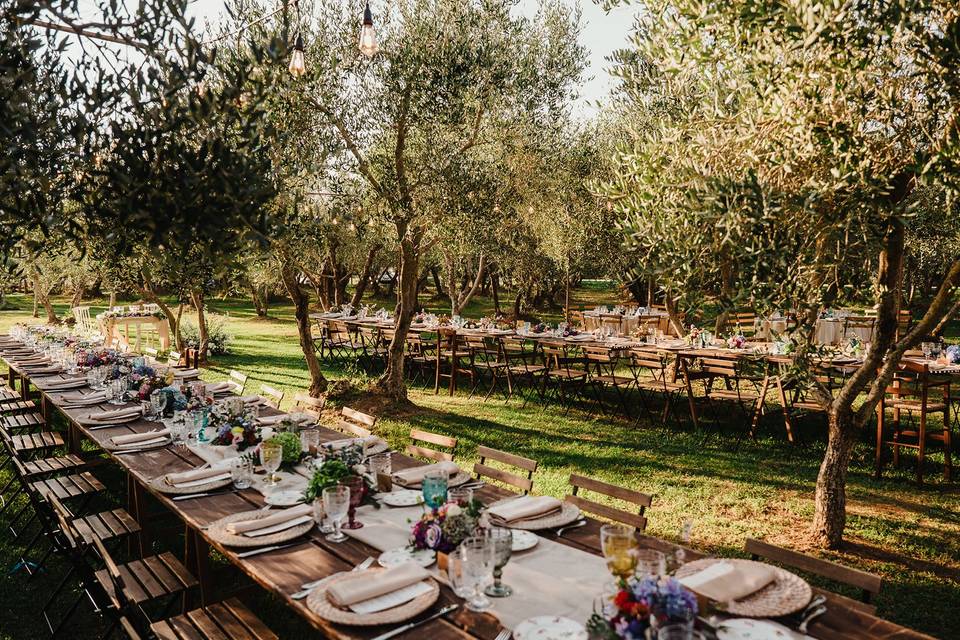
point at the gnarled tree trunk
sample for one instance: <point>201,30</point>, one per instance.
<point>301,305</point>
<point>365,276</point>
<point>391,383</point>
<point>196,298</point>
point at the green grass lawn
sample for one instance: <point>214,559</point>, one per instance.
<point>907,534</point>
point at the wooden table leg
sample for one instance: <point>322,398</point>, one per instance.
<point>197,560</point>
<point>137,507</point>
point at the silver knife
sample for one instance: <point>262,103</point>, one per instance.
<point>199,495</point>
<point>389,634</point>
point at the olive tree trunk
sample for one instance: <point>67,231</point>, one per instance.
<point>196,297</point>
<point>301,305</point>
<point>391,383</point>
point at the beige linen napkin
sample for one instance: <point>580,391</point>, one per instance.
<point>726,581</point>
<point>336,445</point>
<point>116,414</point>
<point>96,396</point>
<point>140,437</point>
<point>362,587</point>
<point>193,475</point>
<point>218,387</point>
<point>280,517</point>
<point>525,508</point>
<point>414,476</point>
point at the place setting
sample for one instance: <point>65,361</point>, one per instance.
<point>531,513</point>
<point>447,474</point>
<point>259,528</point>
<point>112,417</point>
<point>80,400</point>
<point>59,384</point>
<point>194,481</point>
<point>137,442</point>
<point>370,445</point>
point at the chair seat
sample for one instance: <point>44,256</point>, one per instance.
<point>151,578</point>
<point>529,369</point>
<point>490,365</point>
<point>733,394</point>
<point>29,442</point>
<point>613,379</point>
<point>916,405</point>
<point>657,385</point>
<point>227,620</point>
<point>8,395</point>
<point>47,466</point>
<point>17,406</point>
<point>567,374</point>
<point>107,525</point>
<point>807,405</point>
<point>21,421</point>
<point>72,486</point>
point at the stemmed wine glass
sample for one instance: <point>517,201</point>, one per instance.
<point>501,540</point>
<point>271,455</point>
<point>336,503</point>
<point>478,559</point>
<point>619,549</point>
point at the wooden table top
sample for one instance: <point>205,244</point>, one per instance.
<point>283,571</point>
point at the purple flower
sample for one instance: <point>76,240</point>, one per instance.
<point>432,536</point>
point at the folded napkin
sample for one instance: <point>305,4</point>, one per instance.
<point>186,373</point>
<point>277,419</point>
<point>219,387</point>
<point>43,369</point>
<point>242,526</point>
<point>140,437</point>
<point>251,399</point>
<point>357,589</point>
<point>115,414</point>
<point>92,398</point>
<point>336,445</point>
<point>175,479</point>
<point>525,508</point>
<point>726,581</point>
<point>34,360</point>
<point>414,476</point>
<point>54,385</point>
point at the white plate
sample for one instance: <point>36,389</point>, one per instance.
<point>285,498</point>
<point>402,498</point>
<point>751,629</point>
<point>549,628</point>
<point>402,555</point>
<point>523,540</point>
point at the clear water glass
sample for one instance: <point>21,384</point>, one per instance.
<point>380,463</point>
<point>434,488</point>
<point>118,389</point>
<point>146,410</point>
<point>458,580</point>
<point>158,400</point>
<point>650,562</point>
<point>460,495</point>
<point>310,440</point>
<point>477,570</point>
<point>501,541</point>
<point>241,472</point>
<point>336,503</point>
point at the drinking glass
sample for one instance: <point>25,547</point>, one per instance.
<point>462,496</point>
<point>271,455</point>
<point>358,489</point>
<point>619,549</point>
<point>380,463</point>
<point>158,400</point>
<point>336,503</point>
<point>927,348</point>
<point>118,388</point>
<point>676,631</point>
<point>434,488</point>
<point>650,562</point>
<point>178,428</point>
<point>310,441</point>
<point>92,380</point>
<point>477,569</point>
<point>146,410</point>
<point>241,472</point>
<point>501,541</point>
<point>455,572</point>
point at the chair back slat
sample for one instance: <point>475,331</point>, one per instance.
<point>608,512</point>
<point>308,404</point>
<point>358,416</point>
<point>527,464</point>
<point>642,500</point>
<point>273,395</point>
<point>238,381</point>
<point>523,484</point>
<point>869,583</point>
<point>482,469</point>
<point>174,358</point>
<point>420,451</point>
<point>355,422</point>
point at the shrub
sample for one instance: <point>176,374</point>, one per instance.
<point>219,339</point>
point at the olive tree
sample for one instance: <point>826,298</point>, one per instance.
<point>767,143</point>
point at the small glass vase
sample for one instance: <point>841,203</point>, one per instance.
<point>358,491</point>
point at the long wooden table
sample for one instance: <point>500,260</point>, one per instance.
<point>283,571</point>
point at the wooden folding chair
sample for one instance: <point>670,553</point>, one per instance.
<point>655,381</point>
<point>237,382</point>
<point>355,423</point>
<point>642,500</point>
<point>227,620</point>
<point>175,357</point>
<point>513,479</point>
<point>744,322</point>
<point>868,583</point>
<point>272,395</point>
<point>420,451</point>
<point>308,404</point>
<point>566,381</point>
<point>602,373</point>
<point>918,393</point>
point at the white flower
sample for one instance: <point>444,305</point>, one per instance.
<point>454,510</point>
<point>359,469</point>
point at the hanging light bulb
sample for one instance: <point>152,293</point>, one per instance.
<point>368,37</point>
<point>297,65</point>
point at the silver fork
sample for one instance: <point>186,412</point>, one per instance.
<point>573,525</point>
<point>504,634</point>
<point>307,587</point>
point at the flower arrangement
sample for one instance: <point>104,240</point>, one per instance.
<point>335,471</point>
<point>132,314</point>
<point>95,357</point>
<point>640,605</point>
<point>351,455</point>
<point>952,354</point>
<point>233,426</point>
<point>444,528</point>
<point>737,340</point>
<point>292,449</point>
<point>540,327</point>
<point>694,335</point>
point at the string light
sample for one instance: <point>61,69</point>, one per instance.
<point>368,37</point>
<point>298,66</point>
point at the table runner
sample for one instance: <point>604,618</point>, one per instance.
<point>550,579</point>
